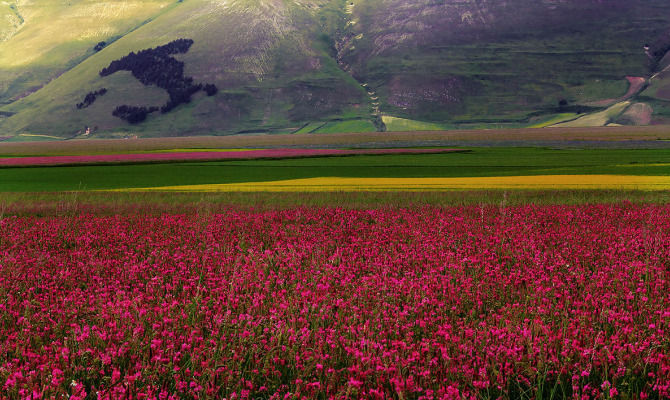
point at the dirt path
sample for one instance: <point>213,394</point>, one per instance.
<point>373,98</point>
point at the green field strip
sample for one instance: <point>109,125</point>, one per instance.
<point>395,124</point>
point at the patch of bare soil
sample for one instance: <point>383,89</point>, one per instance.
<point>637,114</point>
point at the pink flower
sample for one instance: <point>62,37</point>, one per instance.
<point>56,377</point>
<point>355,383</point>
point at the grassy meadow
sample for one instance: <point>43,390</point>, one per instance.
<point>153,203</point>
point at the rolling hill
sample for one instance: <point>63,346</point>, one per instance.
<point>319,66</point>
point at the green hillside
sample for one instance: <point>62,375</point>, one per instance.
<point>318,66</point>
<point>498,60</point>
<point>10,20</point>
<point>42,39</point>
<point>269,72</point>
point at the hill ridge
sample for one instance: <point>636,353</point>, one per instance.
<point>329,65</point>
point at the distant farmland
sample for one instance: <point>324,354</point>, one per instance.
<point>649,136</point>
<point>475,162</point>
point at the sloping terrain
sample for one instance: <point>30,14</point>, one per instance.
<point>260,55</point>
<point>322,65</point>
<point>41,39</point>
<point>479,60</point>
<point>10,19</point>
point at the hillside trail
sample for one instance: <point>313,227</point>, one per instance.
<point>638,113</point>
<point>348,42</point>
<point>666,69</point>
<point>636,85</point>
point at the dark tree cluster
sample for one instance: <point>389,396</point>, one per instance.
<point>133,114</point>
<point>157,67</point>
<point>100,46</point>
<point>90,98</point>
<point>210,89</point>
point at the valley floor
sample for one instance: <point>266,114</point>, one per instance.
<point>542,159</point>
<point>507,271</point>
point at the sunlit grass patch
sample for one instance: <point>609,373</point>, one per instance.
<point>395,124</point>
<point>555,119</point>
<point>601,118</point>
<point>351,126</point>
<point>33,136</point>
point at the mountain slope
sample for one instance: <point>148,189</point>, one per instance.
<point>268,71</point>
<point>283,65</point>
<point>498,59</point>
<point>41,39</point>
<point>10,20</point>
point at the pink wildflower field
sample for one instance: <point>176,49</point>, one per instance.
<point>325,303</point>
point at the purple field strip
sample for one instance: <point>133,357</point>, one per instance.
<point>205,156</point>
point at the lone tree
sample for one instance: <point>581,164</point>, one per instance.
<point>100,46</point>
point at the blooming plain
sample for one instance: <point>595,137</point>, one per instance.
<point>408,303</point>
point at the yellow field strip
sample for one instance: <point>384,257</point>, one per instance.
<point>41,136</point>
<point>327,184</point>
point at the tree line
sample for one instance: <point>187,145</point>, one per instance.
<point>133,114</point>
<point>90,98</point>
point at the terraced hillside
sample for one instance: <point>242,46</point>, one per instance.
<point>313,66</point>
<point>495,60</point>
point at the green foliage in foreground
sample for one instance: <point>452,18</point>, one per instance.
<point>477,162</point>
